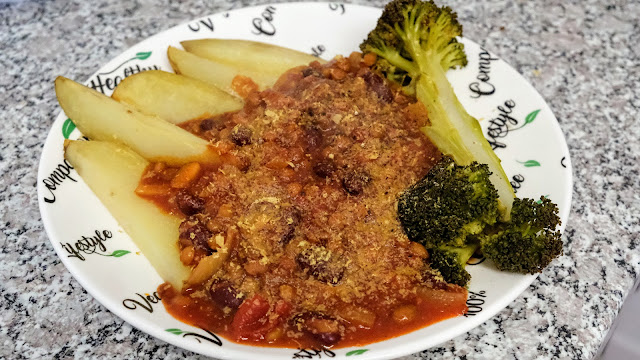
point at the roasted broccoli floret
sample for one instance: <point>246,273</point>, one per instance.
<point>415,42</point>
<point>527,243</point>
<point>453,210</point>
<point>451,262</point>
<point>450,203</point>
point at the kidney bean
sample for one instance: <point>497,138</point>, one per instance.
<point>324,168</point>
<point>377,84</point>
<point>310,71</point>
<point>212,124</point>
<point>189,204</point>
<point>324,328</point>
<point>312,136</point>
<point>327,338</point>
<point>207,124</point>
<point>355,181</point>
<point>225,295</point>
<point>292,219</point>
<point>241,135</point>
<point>192,229</point>
<point>313,260</point>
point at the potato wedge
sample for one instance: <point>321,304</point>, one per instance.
<point>112,171</point>
<point>266,58</point>
<point>101,118</point>
<point>174,98</point>
<point>213,72</point>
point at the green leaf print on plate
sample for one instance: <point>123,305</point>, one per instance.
<point>357,352</point>
<point>143,55</point>
<point>119,253</point>
<point>532,116</point>
<point>528,120</point>
<point>67,128</point>
<point>529,163</point>
<point>175,331</point>
<point>540,200</point>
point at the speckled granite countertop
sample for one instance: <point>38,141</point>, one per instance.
<point>582,56</point>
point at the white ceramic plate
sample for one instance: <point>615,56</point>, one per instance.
<point>110,267</point>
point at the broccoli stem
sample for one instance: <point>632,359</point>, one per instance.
<point>420,38</point>
<point>454,131</point>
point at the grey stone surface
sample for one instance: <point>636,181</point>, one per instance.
<point>582,56</point>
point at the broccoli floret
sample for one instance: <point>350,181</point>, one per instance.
<point>450,203</point>
<point>415,42</point>
<point>527,243</point>
<point>451,261</point>
<point>453,210</point>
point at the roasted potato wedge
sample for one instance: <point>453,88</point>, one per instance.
<point>213,72</point>
<point>174,98</point>
<point>100,117</point>
<point>266,58</point>
<point>113,171</point>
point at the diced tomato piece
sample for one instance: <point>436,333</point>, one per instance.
<point>250,321</point>
<point>283,308</point>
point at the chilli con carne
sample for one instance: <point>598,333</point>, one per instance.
<point>294,239</point>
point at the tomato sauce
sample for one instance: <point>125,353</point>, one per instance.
<point>293,239</point>
<point>437,306</point>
